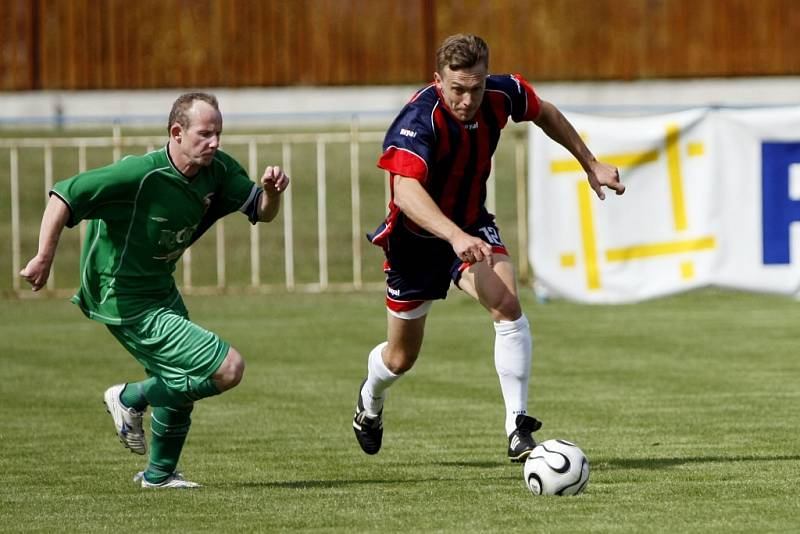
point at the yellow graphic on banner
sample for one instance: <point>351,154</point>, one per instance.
<point>568,260</point>
<point>643,250</point>
<point>587,233</point>
<point>675,177</point>
<point>633,159</point>
<point>687,270</point>
<point>696,149</point>
<point>650,250</point>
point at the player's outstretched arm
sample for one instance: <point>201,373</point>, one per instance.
<point>558,128</point>
<point>416,203</point>
<point>274,182</point>
<point>55,217</point>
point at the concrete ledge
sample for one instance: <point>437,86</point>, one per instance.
<point>315,105</point>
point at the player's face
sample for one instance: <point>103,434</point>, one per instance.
<point>462,89</point>
<point>200,141</point>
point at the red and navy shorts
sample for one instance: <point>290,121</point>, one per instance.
<point>419,266</point>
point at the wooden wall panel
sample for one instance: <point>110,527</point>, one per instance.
<point>16,44</point>
<point>119,44</point>
<point>633,39</point>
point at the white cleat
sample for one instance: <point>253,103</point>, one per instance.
<point>127,421</point>
<point>175,480</point>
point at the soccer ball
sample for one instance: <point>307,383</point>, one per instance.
<point>556,467</point>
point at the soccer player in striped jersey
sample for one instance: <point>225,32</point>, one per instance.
<point>143,212</point>
<point>438,155</point>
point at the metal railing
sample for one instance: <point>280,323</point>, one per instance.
<point>286,141</point>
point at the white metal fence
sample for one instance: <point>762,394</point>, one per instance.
<point>286,141</point>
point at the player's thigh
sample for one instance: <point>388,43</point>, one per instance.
<point>172,347</point>
<point>494,287</point>
<point>404,342</point>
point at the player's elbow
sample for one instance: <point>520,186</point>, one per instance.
<point>403,191</point>
<point>267,216</point>
<point>547,112</point>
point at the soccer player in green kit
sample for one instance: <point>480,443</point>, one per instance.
<point>143,212</point>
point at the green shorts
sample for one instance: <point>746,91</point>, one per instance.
<point>172,347</point>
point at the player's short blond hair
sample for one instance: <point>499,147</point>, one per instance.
<point>181,107</point>
<point>462,51</point>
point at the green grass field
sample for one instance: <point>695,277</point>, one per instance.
<point>687,408</point>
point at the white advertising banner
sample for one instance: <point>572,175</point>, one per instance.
<point>757,165</point>
<point>711,199</point>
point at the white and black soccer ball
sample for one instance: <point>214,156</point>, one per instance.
<point>556,467</point>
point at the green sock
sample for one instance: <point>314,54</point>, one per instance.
<point>169,427</point>
<point>132,396</point>
<point>158,393</point>
<point>200,389</point>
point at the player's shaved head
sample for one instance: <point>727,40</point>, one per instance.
<point>180,109</point>
<point>462,51</point>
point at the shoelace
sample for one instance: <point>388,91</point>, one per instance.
<point>371,422</point>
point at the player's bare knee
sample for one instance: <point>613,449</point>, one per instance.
<point>237,370</point>
<point>399,361</point>
<point>231,371</point>
<point>507,308</point>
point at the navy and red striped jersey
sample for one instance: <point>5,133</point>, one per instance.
<point>452,159</point>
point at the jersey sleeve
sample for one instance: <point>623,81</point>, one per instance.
<point>524,103</point>
<point>408,147</point>
<point>97,193</point>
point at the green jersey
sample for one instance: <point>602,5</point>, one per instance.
<point>143,213</point>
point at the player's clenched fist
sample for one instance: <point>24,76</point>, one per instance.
<point>274,181</point>
<point>471,249</point>
<point>36,273</point>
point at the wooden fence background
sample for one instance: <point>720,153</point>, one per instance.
<point>142,44</point>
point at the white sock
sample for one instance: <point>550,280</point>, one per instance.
<point>379,378</point>
<point>512,359</point>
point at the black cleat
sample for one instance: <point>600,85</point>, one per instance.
<point>369,430</point>
<point>521,442</point>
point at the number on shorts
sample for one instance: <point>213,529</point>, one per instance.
<point>491,235</point>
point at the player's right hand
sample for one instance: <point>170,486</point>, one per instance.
<point>471,249</point>
<point>604,175</point>
<point>36,272</point>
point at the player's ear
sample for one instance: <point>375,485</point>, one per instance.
<point>176,132</point>
<point>437,79</point>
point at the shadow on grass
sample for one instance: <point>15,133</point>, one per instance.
<point>605,464</point>
<point>331,484</point>
<point>663,463</point>
<point>477,464</point>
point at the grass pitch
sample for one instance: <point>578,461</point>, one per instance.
<point>687,408</point>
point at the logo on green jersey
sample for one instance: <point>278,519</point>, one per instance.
<point>175,241</point>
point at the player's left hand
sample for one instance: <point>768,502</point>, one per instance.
<point>274,181</point>
<point>604,175</point>
<point>37,271</point>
